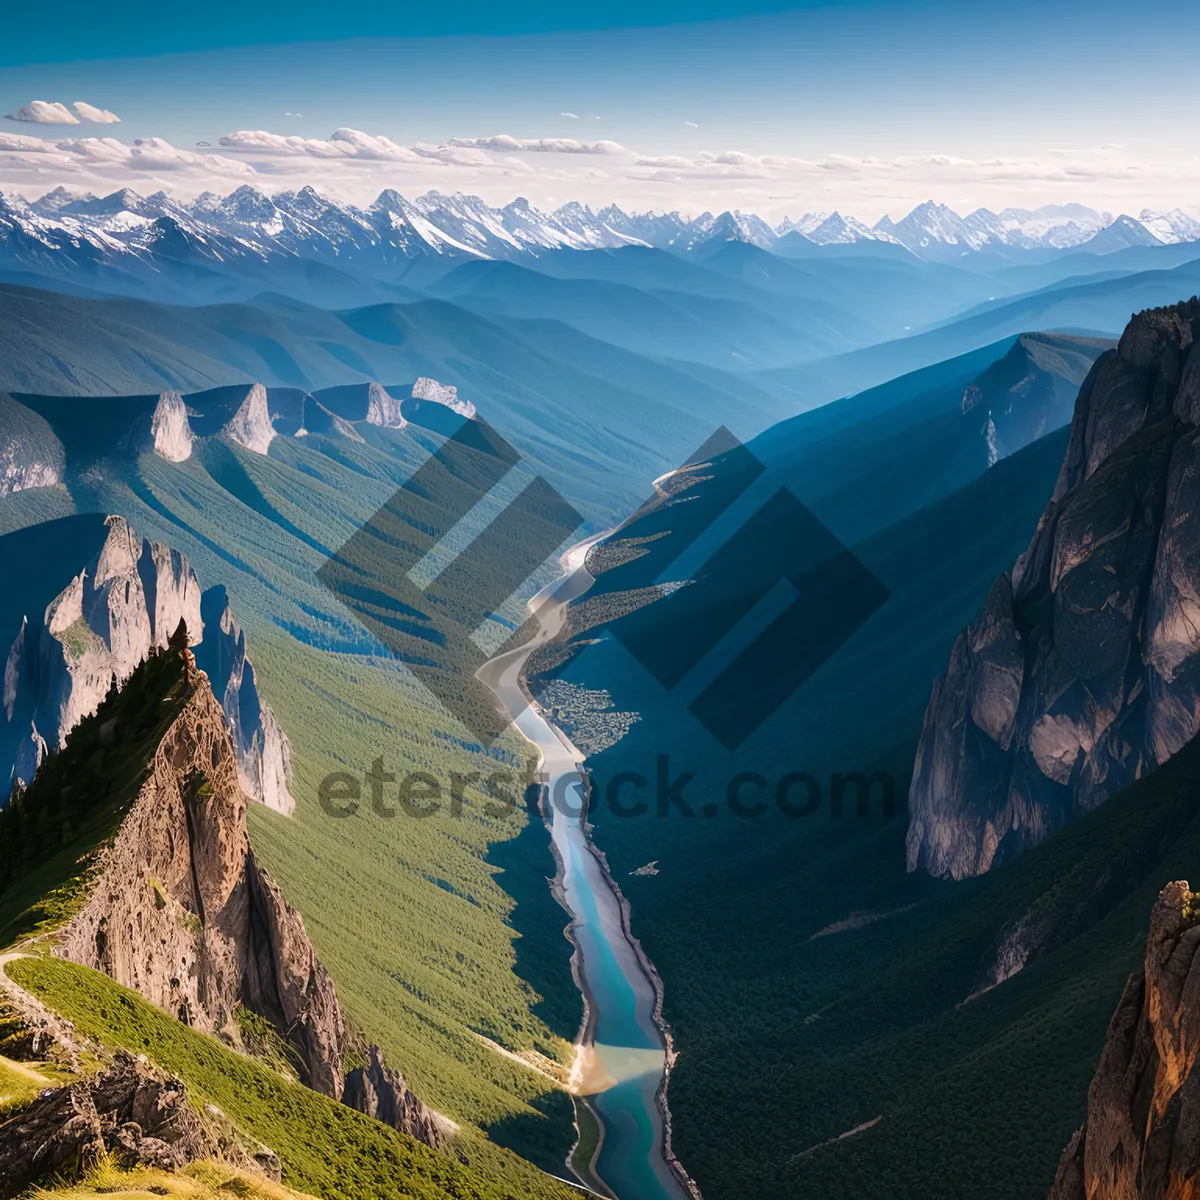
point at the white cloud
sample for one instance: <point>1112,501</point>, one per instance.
<point>505,142</point>
<point>364,145</point>
<point>570,116</point>
<point>21,141</point>
<point>44,112</point>
<point>261,141</point>
<point>97,116</point>
<point>672,162</point>
<point>354,144</point>
<point>289,114</point>
<point>451,154</point>
<point>691,124</point>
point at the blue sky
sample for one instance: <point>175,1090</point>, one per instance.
<point>1066,100</point>
<point>82,30</point>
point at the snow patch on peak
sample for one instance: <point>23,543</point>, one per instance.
<point>803,225</point>
<point>1172,227</point>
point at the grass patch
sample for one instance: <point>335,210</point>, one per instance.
<point>196,1181</point>
<point>585,1150</point>
<point>325,1147</point>
<point>260,1039</point>
<point>20,1082</point>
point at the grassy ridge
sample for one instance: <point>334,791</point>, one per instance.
<point>197,1181</point>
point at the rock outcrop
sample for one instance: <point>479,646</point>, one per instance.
<point>251,425</point>
<point>129,1112</point>
<point>380,1092</point>
<point>128,599</point>
<point>170,429</point>
<point>171,591</point>
<point>264,754</point>
<point>20,470</point>
<point>446,394</point>
<point>1141,1138</point>
<point>1082,673</point>
<point>181,913</point>
<point>383,409</point>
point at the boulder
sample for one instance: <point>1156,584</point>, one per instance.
<point>444,394</point>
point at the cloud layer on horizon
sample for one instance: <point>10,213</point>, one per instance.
<point>356,166</point>
<point>108,161</point>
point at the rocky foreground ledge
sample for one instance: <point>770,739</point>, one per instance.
<point>1141,1138</point>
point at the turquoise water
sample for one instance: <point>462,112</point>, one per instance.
<point>628,1047</point>
<point>628,1044</point>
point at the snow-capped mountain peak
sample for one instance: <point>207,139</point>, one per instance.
<point>1171,227</point>
<point>65,230</point>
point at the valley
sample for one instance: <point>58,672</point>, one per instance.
<point>469,709</point>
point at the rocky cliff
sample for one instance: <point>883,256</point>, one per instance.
<point>380,1092</point>
<point>169,428</point>
<point>129,598</point>
<point>1082,672</point>
<point>383,408</point>
<point>181,913</point>
<point>97,629</point>
<point>178,909</point>
<point>251,425</point>
<point>1141,1138</point>
<point>264,753</point>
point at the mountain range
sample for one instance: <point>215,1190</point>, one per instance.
<point>395,229</point>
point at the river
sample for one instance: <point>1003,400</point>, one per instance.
<point>622,1055</point>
